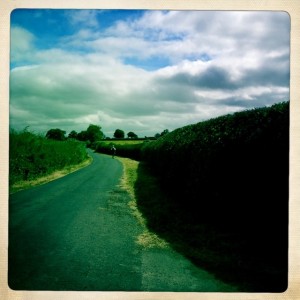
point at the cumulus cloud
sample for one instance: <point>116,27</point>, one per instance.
<point>156,70</point>
<point>86,18</point>
<point>21,44</point>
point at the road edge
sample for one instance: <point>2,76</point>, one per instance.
<point>24,185</point>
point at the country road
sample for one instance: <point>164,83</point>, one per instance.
<point>78,233</point>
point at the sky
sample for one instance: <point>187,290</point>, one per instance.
<point>143,70</point>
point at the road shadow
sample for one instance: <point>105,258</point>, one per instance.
<point>253,259</point>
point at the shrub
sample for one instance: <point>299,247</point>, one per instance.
<point>127,149</point>
<point>33,156</point>
<point>231,176</point>
<point>228,169</point>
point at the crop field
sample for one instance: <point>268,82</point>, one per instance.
<point>124,148</point>
<point>122,142</point>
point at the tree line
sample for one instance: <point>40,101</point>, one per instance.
<point>92,134</point>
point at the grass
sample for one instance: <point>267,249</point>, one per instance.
<point>122,142</point>
<point>25,184</point>
<point>34,159</point>
<point>147,239</point>
<point>229,256</point>
<point>124,148</point>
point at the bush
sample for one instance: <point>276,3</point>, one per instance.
<point>229,169</point>
<point>129,149</point>
<point>231,174</point>
<point>33,156</point>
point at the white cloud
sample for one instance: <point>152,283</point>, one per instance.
<point>217,64</point>
<point>86,17</point>
<point>21,43</point>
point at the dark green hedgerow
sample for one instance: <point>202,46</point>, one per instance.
<point>230,176</point>
<point>236,162</point>
<point>224,199</point>
<point>32,156</point>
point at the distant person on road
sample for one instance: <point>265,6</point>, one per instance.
<point>113,150</point>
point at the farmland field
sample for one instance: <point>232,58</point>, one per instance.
<point>122,142</point>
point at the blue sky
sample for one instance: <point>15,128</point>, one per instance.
<point>143,71</point>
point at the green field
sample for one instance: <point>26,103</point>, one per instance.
<point>125,148</point>
<point>121,142</point>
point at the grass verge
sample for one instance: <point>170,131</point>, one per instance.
<point>146,239</point>
<point>121,142</point>
<point>231,257</point>
<point>26,184</point>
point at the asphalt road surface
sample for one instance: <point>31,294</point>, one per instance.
<point>77,233</point>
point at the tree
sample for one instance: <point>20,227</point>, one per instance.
<point>94,133</point>
<point>82,136</point>
<point>73,135</point>
<point>131,135</point>
<point>56,134</point>
<point>166,131</point>
<point>158,135</point>
<point>119,134</point>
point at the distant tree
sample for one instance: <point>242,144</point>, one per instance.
<point>119,134</point>
<point>56,134</point>
<point>73,135</point>
<point>166,131</point>
<point>94,133</point>
<point>82,136</point>
<point>158,135</point>
<point>131,135</point>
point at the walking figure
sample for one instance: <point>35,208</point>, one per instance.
<point>113,149</point>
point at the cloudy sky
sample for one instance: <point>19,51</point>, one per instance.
<point>143,71</point>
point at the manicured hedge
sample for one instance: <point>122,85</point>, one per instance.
<point>232,170</point>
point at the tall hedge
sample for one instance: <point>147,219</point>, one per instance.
<point>232,170</point>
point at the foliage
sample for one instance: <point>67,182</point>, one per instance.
<point>132,135</point>
<point>158,135</point>
<point>82,136</point>
<point>125,148</point>
<point>119,134</point>
<point>32,156</point>
<point>231,175</point>
<point>91,135</point>
<point>225,158</point>
<point>94,133</point>
<point>73,135</point>
<point>56,134</point>
<point>166,131</point>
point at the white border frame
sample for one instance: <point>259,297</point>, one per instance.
<point>290,6</point>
